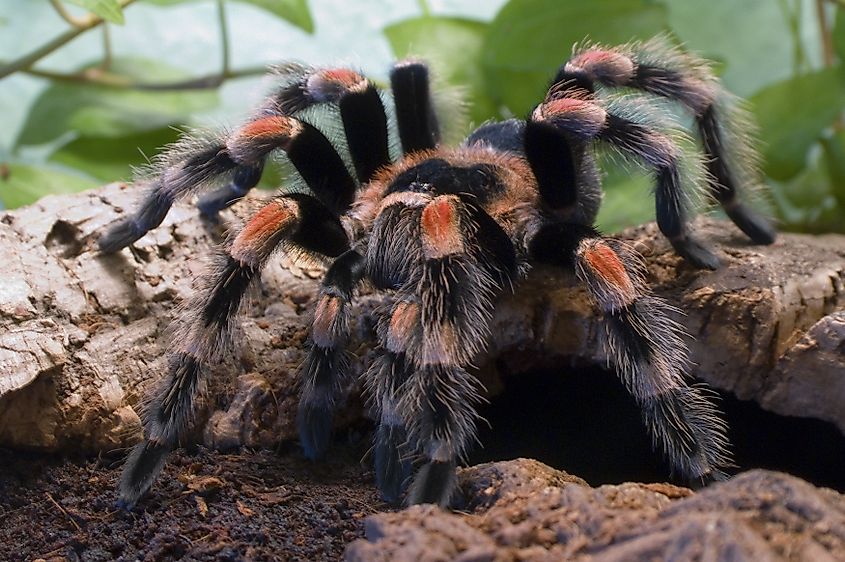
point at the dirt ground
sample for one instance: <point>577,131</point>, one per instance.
<point>260,505</point>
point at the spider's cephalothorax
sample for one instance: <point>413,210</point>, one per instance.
<point>445,231</point>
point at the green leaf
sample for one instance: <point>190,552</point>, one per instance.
<point>529,39</point>
<point>627,197</point>
<point>109,10</point>
<point>792,116</point>
<point>100,111</point>
<point>751,38</point>
<point>453,47</point>
<point>834,156</point>
<point>112,159</point>
<point>295,12</point>
<point>24,184</point>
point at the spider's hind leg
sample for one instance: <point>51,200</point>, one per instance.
<point>724,125</point>
<point>646,346</point>
<point>576,121</point>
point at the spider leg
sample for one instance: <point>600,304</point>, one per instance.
<point>393,465</point>
<point>461,260</point>
<point>646,346</point>
<point>325,371</point>
<point>415,115</point>
<point>296,221</point>
<point>724,125</point>
<point>585,120</point>
<point>197,162</point>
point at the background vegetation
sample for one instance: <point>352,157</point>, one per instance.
<point>89,88</point>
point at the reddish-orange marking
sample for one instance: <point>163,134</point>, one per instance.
<point>567,105</point>
<point>402,322</point>
<point>438,221</point>
<point>596,56</point>
<point>325,314</point>
<point>267,126</point>
<point>271,219</point>
<point>604,261</point>
<point>342,76</point>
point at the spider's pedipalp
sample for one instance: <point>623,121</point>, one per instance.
<point>206,326</point>
<point>392,456</point>
<point>415,115</point>
<point>434,329</point>
<point>661,69</point>
<point>325,371</point>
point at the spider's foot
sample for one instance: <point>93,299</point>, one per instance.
<point>695,252</point>
<point>120,236</point>
<point>144,463</point>
<point>392,470</point>
<point>712,476</point>
<point>211,204</point>
<point>753,225</point>
<point>435,483</point>
<point>315,429</point>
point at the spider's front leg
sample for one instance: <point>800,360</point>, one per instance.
<point>646,346</point>
<point>452,269</point>
<point>299,222</point>
<point>200,161</point>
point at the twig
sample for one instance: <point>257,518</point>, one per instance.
<point>107,52</point>
<point>63,510</point>
<point>26,61</point>
<point>824,30</point>
<point>100,77</point>
<point>67,16</point>
<point>224,36</point>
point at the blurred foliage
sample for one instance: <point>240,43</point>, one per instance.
<point>90,124</point>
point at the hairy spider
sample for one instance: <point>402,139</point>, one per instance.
<point>445,231</point>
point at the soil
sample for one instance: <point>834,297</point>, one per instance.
<point>251,505</point>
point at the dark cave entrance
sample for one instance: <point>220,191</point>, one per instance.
<point>585,423</point>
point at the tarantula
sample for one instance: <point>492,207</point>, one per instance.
<point>445,231</point>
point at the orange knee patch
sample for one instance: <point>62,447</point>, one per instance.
<point>264,230</point>
<point>440,228</point>
<point>403,322</point>
<point>588,114</point>
<point>276,126</point>
<point>605,64</point>
<point>325,316</point>
<point>606,264</point>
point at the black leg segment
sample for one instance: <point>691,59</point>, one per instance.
<point>418,126</point>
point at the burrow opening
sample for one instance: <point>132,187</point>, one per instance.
<point>583,421</point>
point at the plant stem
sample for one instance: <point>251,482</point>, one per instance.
<point>426,10</point>
<point>100,77</point>
<point>67,16</point>
<point>107,52</point>
<point>824,30</point>
<point>26,61</point>
<point>224,36</point>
